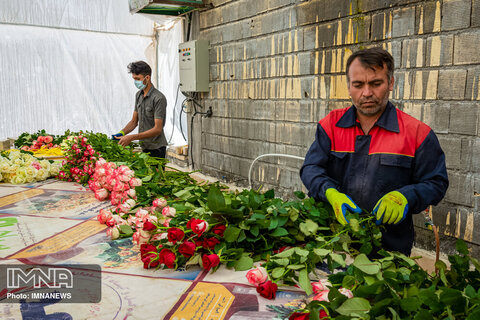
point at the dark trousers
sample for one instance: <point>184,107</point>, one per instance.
<point>159,153</point>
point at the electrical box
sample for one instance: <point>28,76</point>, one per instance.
<point>194,67</point>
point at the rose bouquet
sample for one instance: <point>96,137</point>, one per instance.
<point>79,164</point>
<point>20,167</point>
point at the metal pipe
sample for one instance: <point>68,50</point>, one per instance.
<point>268,155</point>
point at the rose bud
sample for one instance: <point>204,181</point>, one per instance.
<point>175,234</point>
<point>347,293</point>
<point>210,261</point>
<point>321,285</point>
<point>168,212</point>
<point>198,226</point>
<point>322,296</point>
<point>268,289</point>
<point>167,257</point>
<point>210,243</point>
<point>257,276</point>
<point>187,249</point>
<point>299,316</point>
<point>150,260</point>
<point>219,230</point>
<point>146,248</point>
<point>149,226</point>
<point>159,203</point>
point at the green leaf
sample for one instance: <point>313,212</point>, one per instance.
<point>147,178</point>
<point>476,263</point>
<point>257,216</point>
<point>321,252</point>
<point>301,252</point>
<point>338,259</point>
<point>126,229</point>
<point>215,199</point>
<point>348,282</point>
<point>470,292</point>
<point>354,307</point>
<point>255,230</point>
<point>282,261</point>
<point>309,227</point>
<point>244,263</point>
<point>285,254</point>
<point>296,266</point>
<point>410,304</point>
<point>423,315</point>
<point>231,234</point>
<point>279,232</point>
<point>278,272</point>
<point>462,247</point>
<point>304,281</point>
<point>273,223</point>
<point>365,265</point>
<point>299,194</point>
<point>270,194</point>
<point>194,260</point>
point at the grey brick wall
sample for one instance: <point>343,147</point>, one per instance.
<point>277,67</point>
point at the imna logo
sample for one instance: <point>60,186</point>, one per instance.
<point>36,277</point>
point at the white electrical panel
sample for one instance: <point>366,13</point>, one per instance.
<point>194,67</point>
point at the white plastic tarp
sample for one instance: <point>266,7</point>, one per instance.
<point>64,65</point>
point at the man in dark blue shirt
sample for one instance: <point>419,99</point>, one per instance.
<point>374,157</point>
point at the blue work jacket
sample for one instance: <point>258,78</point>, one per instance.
<point>399,153</point>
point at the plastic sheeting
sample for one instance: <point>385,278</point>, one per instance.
<point>64,65</point>
<point>168,81</point>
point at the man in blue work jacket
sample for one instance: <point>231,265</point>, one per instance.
<point>373,156</point>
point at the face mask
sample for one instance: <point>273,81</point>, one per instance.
<point>139,84</point>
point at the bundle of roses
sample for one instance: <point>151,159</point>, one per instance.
<point>19,167</point>
<point>178,246</point>
<point>80,158</point>
<point>40,142</point>
<point>115,183</point>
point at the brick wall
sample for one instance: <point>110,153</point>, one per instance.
<point>277,67</point>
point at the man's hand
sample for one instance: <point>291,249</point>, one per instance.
<point>125,140</point>
<point>391,208</point>
<point>341,203</point>
<point>117,136</point>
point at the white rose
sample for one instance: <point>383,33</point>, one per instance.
<point>4,166</point>
<point>30,172</point>
<point>19,179</point>
<point>45,164</point>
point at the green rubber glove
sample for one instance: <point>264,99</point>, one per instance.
<point>391,208</point>
<point>341,203</point>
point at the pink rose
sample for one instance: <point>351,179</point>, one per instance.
<point>160,236</point>
<point>347,293</point>
<point>159,203</point>
<point>135,182</point>
<point>141,236</point>
<point>321,285</point>
<point>322,296</point>
<point>169,211</point>
<point>101,194</point>
<point>48,139</point>
<point>257,276</point>
<point>141,213</point>
<point>102,216</point>
<point>113,233</point>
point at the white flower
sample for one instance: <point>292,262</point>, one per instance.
<point>4,166</point>
<point>19,179</point>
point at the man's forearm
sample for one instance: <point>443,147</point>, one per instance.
<point>129,127</point>
<point>147,134</point>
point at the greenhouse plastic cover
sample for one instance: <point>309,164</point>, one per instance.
<point>64,65</point>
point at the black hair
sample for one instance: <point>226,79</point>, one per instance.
<point>140,67</point>
<point>373,57</point>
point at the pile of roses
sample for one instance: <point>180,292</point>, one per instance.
<point>116,184</point>
<point>19,167</point>
<point>80,158</point>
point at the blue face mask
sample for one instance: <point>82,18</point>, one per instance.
<point>139,84</point>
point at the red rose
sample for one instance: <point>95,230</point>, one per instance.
<point>175,234</point>
<point>323,314</point>
<point>150,260</point>
<point>210,243</point>
<point>210,261</point>
<point>148,226</point>
<point>187,249</point>
<point>268,289</point>
<point>219,230</point>
<point>198,226</point>
<point>167,257</point>
<point>299,316</point>
<point>198,242</point>
<point>146,248</point>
